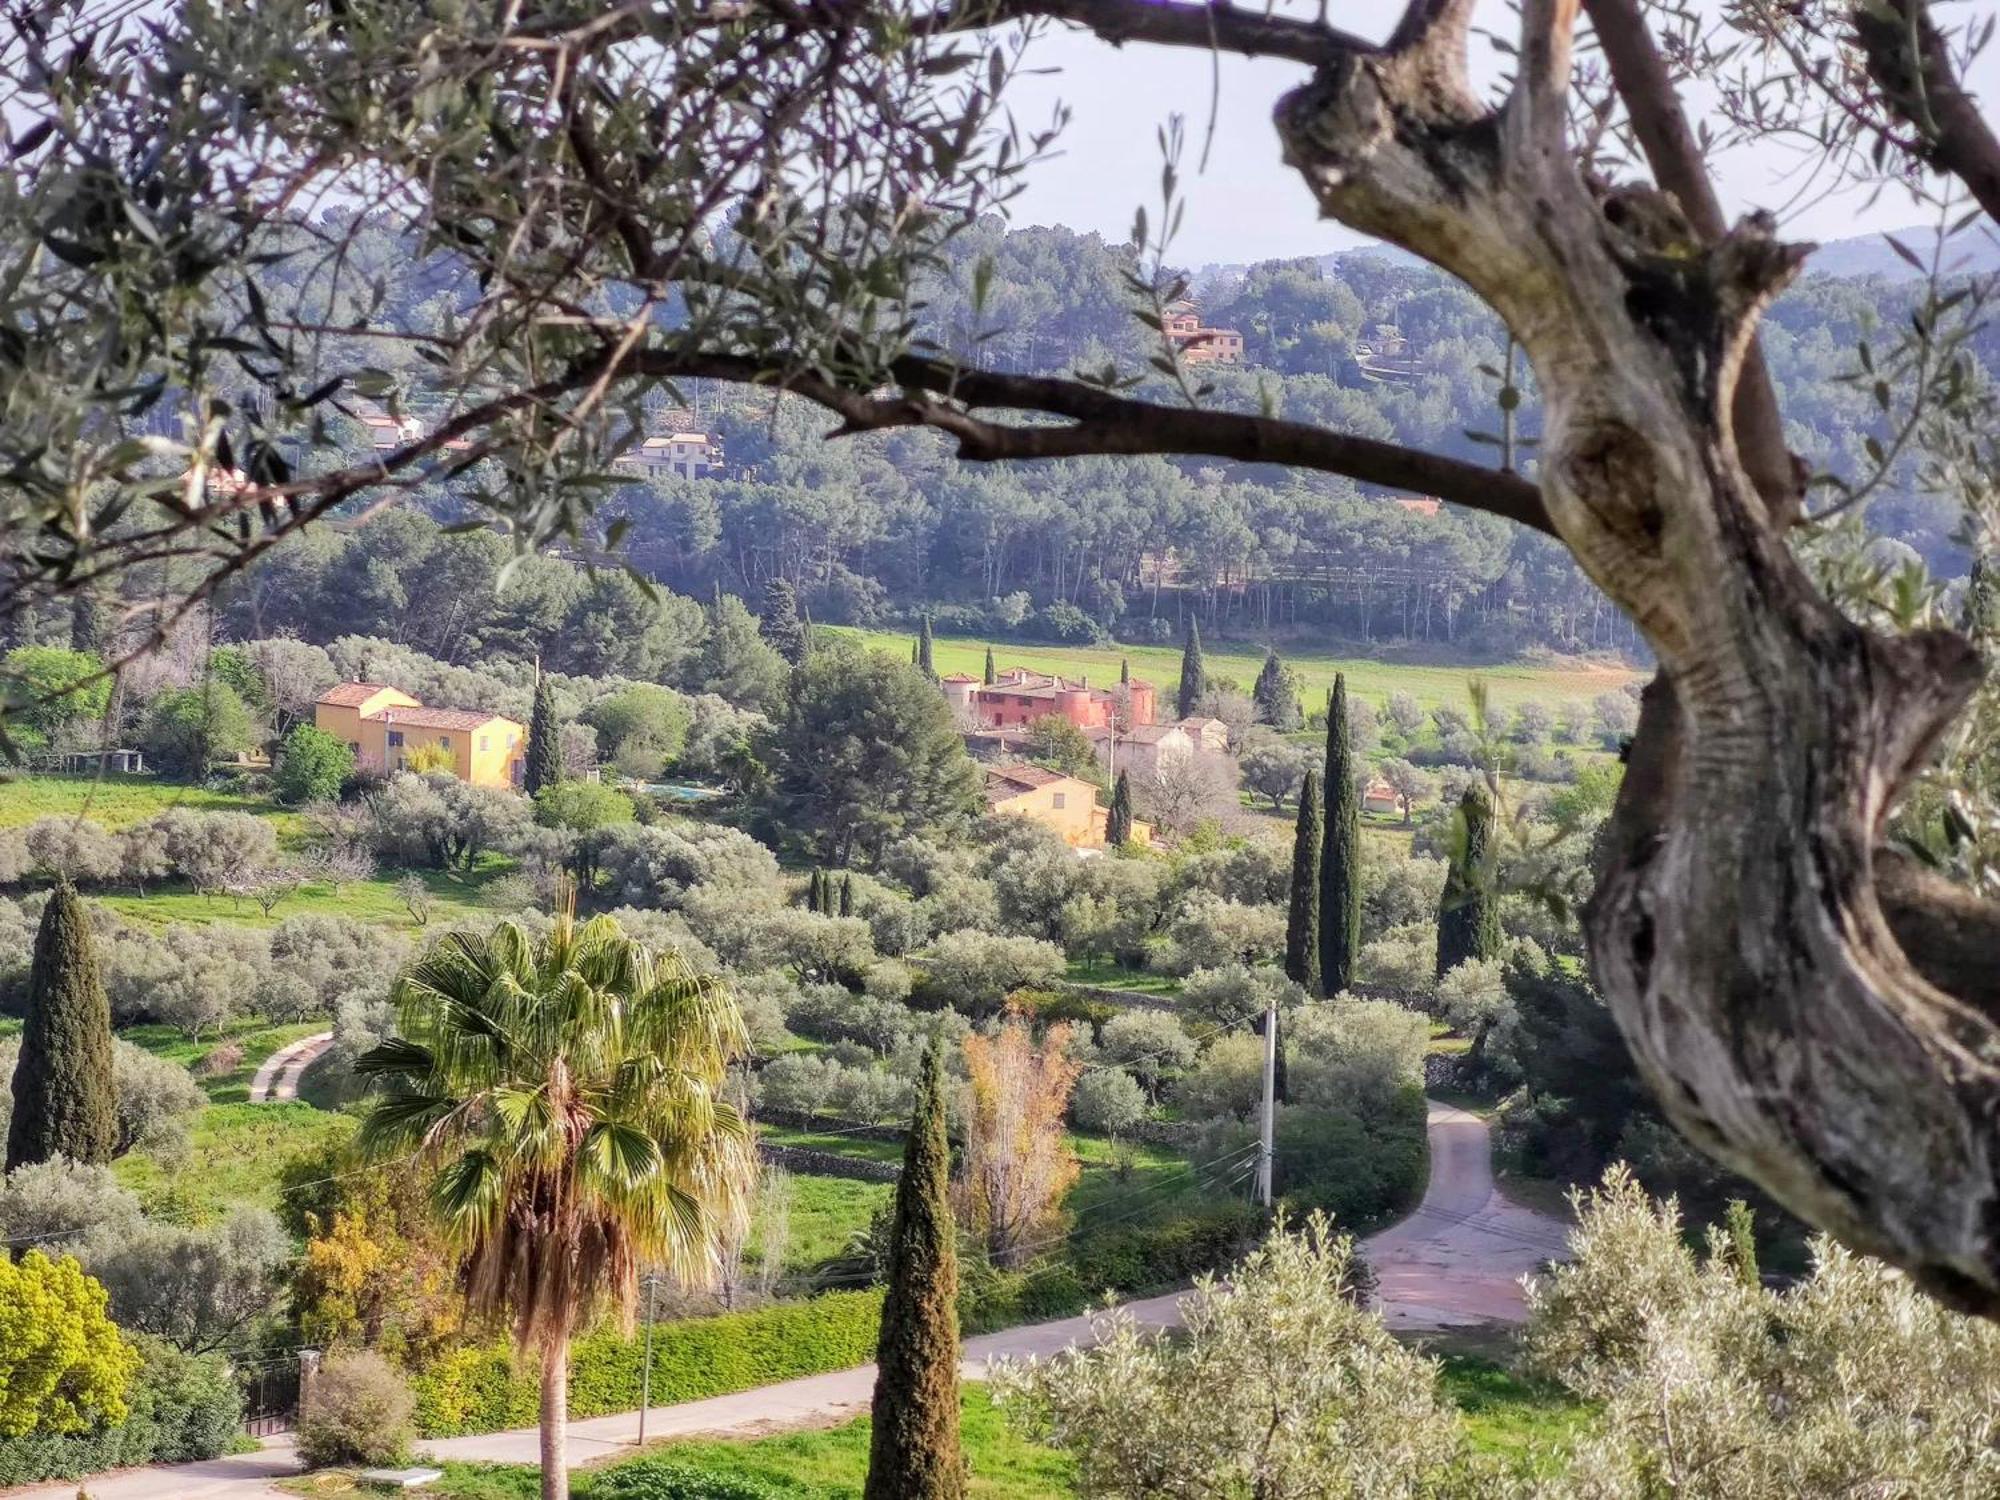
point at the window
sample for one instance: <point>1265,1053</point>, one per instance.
<point>444,742</point>
<point>1061,801</point>
<point>395,736</point>
<point>482,744</point>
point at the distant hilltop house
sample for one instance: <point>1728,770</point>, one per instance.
<point>1379,797</point>
<point>1017,697</point>
<point>673,455</point>
<point>385,726</point>
<point>1424,506</point>
<point>1200,345</point>
<point>1387,356</point>
<point>1067,804</point>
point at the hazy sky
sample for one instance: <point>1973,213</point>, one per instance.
<point>1247,205</point>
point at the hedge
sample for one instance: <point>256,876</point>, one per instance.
<point>485,1389</point>
<point>182,1407</point>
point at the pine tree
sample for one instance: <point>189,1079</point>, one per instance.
<point>544,762</point>
<point>1194,677</point>
<point>991,675</point>
<point>1118,826</point>
<point>65,1091</point>
<point>847,895</point>
<point>1469,915</point>
<point>780,623</point>
<point>926,661</point>
<point>1302,920</point>
<point>913,1450</point>
<point>1277,704</point>
<point>1340,852</point>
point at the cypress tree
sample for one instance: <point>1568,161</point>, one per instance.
<point>913,1451</point>
<point>1469,916</point>
<point>1277,704</point>
<point>1118,826</point>
<point>916,653</point>
<point>826,894</point>
<point>847,895</point>
<point>1340,852</point>
<point>1302,920</point>
<point>925,657</point>
<point>991,675</point>
<point>780,624</point>
<point>1193,675</point>
<point>65,1092</point>
<point>1124,671</point>
<point>813,900</point>
<point>544,762</point>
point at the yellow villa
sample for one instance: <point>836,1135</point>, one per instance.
<point>1067,804</point>
<point>385,726</point>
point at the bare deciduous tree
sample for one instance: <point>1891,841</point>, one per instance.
<point>1017,1158</point>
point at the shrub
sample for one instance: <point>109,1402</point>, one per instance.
<point>483,1389</point>
<point>63,1366</point>
<point>359,1414</point>
<point>188,727</point>
<point>1108,1101</point>
<point>182,1408</point>
<point>220,1062</point>
<point>60,1204</point>
<point>312,766</point>
<point>975,971</point>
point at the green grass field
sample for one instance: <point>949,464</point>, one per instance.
<point>1102,974</point>
<point>1372,681</point>
<point>455,897</point>
<point>235,1155</point>
<point>120,801</point>
<point>826,1213</point>
<point>1530,1425</point>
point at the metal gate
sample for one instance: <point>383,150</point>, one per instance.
<point>270,1395</point>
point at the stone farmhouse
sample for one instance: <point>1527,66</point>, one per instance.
<point>385,726</point>
<point>1145,749</point>
<point>1067,804</point>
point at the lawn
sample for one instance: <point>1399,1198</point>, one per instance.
<point>838,1145</point>
<point>120,801</point>
<point>1372,681</point>
<point>235,1155</point>
<point>455,897</point>
<point>1529,1424</point>
<point>257,1037</point>
<point>1125,1185</point>
<point>826,1213</point>
<point>1103,974</point>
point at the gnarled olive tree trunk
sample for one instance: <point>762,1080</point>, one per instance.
<point>1737,931</point>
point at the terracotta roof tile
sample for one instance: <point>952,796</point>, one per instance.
<point>351,694</point>
<point>438,718</point>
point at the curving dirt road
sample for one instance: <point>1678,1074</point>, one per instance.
<point>1459,1259</point>
<point>279,1077</point>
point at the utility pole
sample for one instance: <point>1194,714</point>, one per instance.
<point>646,1371</point>
<point>1267,1135</point>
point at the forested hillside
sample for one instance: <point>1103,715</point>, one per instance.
<point>881,527</point>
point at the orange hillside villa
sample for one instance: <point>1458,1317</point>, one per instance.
<point>385,726</point>
<point>1018,697</point>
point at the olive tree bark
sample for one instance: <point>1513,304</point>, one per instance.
<point>1736,930</point>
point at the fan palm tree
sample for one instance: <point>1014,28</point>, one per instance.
<point>565,1095</point>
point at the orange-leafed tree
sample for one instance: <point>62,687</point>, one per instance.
<point>1017,1158</point>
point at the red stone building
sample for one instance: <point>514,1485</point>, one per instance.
<point>1018,697</point>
